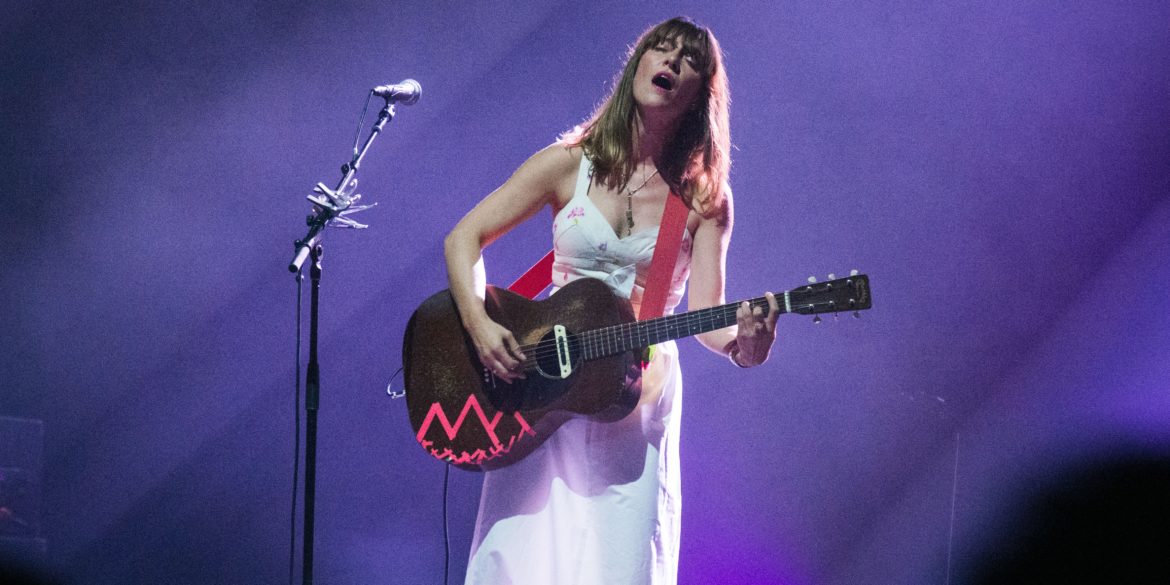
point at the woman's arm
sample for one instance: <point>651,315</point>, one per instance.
<point>535,184</point>
<point>749,341</point>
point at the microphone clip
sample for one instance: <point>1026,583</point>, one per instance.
<point>332,208</point>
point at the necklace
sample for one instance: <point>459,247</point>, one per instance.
<point>630,203</point>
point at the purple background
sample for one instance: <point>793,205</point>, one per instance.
<point>999,169</point>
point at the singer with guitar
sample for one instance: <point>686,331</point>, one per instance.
<point>598,501</point>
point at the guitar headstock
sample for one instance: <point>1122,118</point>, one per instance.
<point>835,295</point>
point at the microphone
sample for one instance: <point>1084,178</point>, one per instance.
<point>405,93</point>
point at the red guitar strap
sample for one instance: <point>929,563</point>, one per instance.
<point>670,232</point>
<point>666,249</point>
<point>535,279</point>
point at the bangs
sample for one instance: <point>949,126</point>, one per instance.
<point>694,39</point>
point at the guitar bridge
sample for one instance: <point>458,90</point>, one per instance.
<point>564,360</point>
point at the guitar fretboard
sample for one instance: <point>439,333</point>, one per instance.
<point>608,341</point>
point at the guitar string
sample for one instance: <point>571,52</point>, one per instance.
<point>625,336</point>
<point>652,326</point>
<point>608,340</point>
<point>603,339</point>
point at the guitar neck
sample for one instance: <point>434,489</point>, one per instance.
<point>608,341</point>
<point>842,294</point>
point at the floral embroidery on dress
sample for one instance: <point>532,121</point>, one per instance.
<point>576,212</point>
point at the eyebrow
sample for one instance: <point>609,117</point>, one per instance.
<point>691,46</point>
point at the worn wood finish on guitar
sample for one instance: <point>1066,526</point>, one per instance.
<point>464,415</point>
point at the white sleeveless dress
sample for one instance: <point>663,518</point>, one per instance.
<point>597,503</point>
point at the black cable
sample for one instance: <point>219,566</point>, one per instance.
<point>446,483</point>
<point>446,530</point>
<point>357,136</point>
<point>292,537</point>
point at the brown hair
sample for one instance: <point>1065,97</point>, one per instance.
<point>696,162</point>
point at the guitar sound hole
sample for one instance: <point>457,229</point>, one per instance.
<point>548,357</point>
<point>541,387</point>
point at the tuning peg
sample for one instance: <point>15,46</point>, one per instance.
<point>854,272</point>
<point>832,276</point>
<point>812,280</point>
<point>817,320</point>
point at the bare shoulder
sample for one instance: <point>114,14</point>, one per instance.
<point>554,168</point>
<point>722,217</point>
<point>550,164</point>
<point>557,157</point>
<point>726,213</point>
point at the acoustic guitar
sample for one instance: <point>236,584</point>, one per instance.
<point>582,350</point>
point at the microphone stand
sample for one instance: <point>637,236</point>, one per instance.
<point>331,208</point>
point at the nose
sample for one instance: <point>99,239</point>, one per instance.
<point>673,59</point>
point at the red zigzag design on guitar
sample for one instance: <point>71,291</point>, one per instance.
<point>452,430</point>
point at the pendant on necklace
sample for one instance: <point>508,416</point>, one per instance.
<point>630,203</point>
<point>629,214</point>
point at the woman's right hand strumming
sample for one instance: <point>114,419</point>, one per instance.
<point>497,348</point>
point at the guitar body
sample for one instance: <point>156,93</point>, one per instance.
<point>463,415</point>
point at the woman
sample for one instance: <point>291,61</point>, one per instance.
<point>599,502</point>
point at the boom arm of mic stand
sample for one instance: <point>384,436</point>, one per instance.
<point>326,215</point>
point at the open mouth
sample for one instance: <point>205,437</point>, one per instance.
<point>663,80</point>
